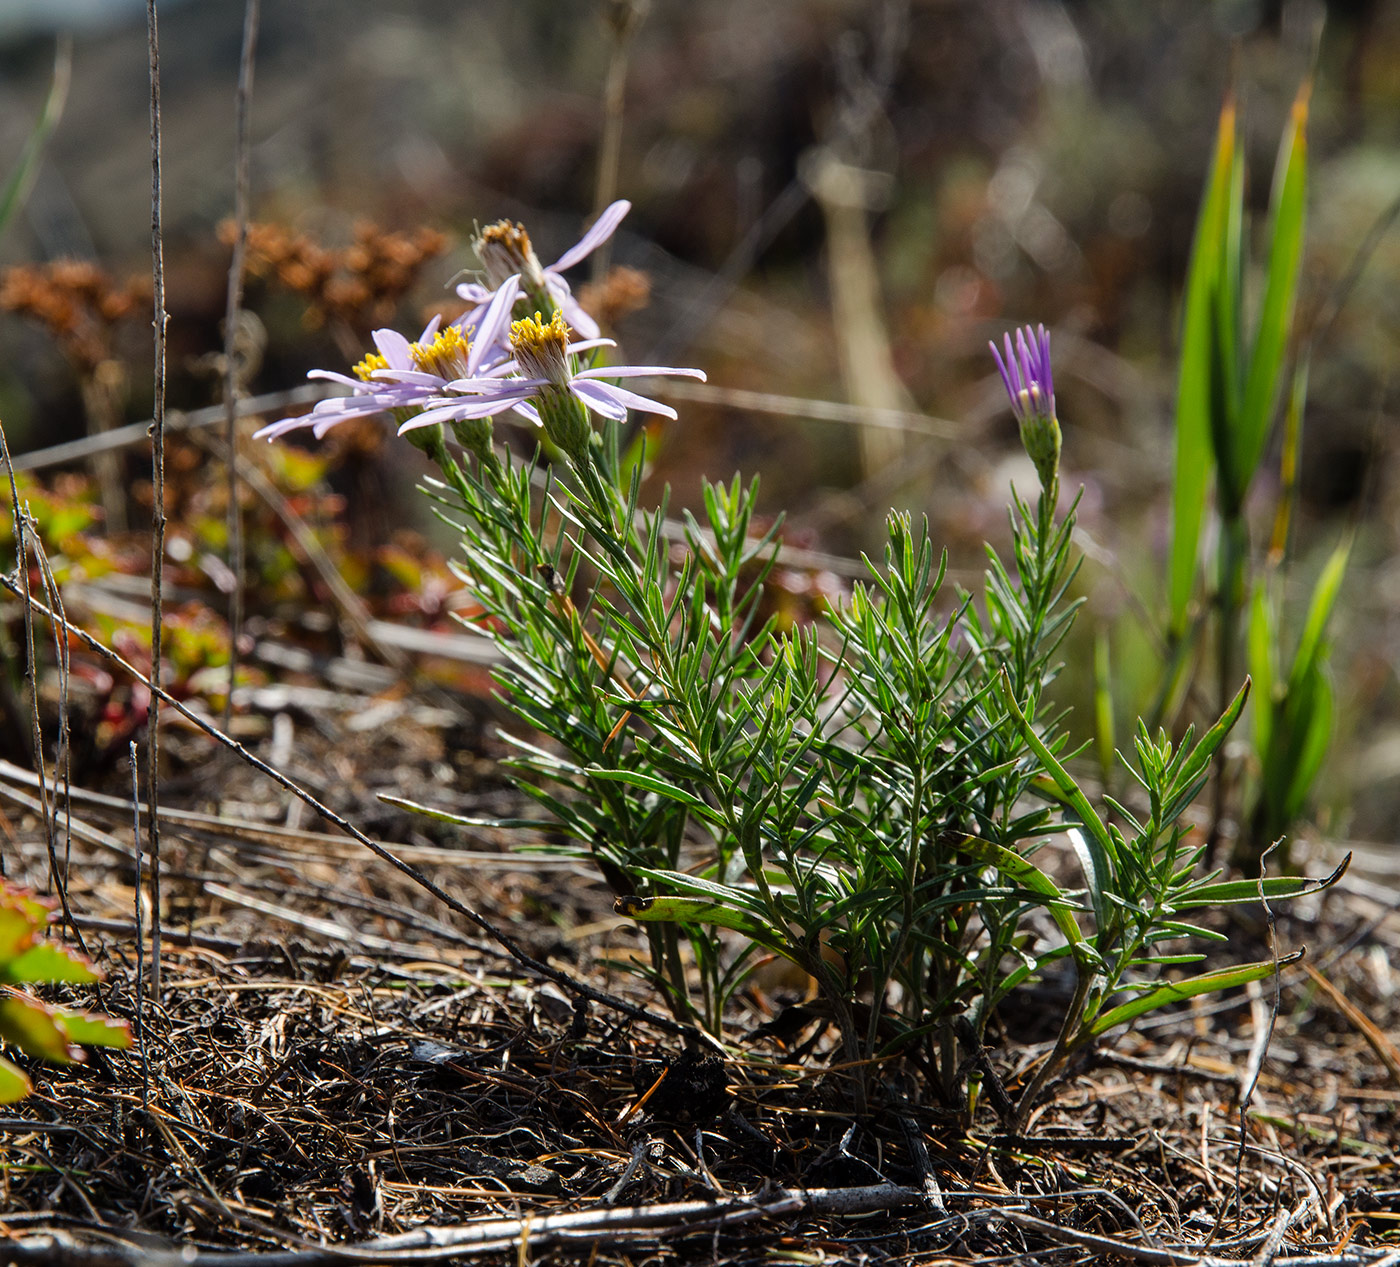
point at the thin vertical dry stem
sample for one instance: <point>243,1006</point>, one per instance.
<point>49,811</point>
<point>625,17</point>
<point>233,385</point>
<point>136,916</point>
<point>157,497</point>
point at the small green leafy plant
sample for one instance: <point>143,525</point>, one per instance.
<point>40,1029</point>
<point>869,797</point>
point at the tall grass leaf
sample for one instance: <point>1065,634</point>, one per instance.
<point>1288,211</point>
<point>21,180</point>
<point>1193,400</point>
<point>1227,351</point>
<point>1324,598</point>
<point>1262,651</point>
<point>1310,744</point>
<point>1176,991</point>
<point>1288,461</point>
<point>1103,704</point>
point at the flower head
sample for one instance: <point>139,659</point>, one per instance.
<point>403,379</point>
<point>504,249</point>
<point>1026,373</point>
<point>542,382</point>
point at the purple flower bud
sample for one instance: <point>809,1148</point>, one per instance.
<point>1025,371</point>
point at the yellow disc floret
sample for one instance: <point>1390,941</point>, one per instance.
<point>504,248</point>
<point>365,369</point>
<point>445,354</point>
<point>541,347</point>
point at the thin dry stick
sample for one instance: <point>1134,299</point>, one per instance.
<point>136,912</point>
<point>20,516</point>
<point>63,761</point>
<point>496,1235</point>
<point>624,17</point>
<point>157,495</point>
<point>139,432</point>
<point>1260,1047</point>
<point>233,379</point>
<point>513,949</point>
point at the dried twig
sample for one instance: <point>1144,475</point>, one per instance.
<point>157,494</point>
<point>233,385</point>
<point>487,1236</point>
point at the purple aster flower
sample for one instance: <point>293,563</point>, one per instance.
<point>1026,373</point>
<point>545,387</point>
<point>403,378</point>
<point>505,249</point>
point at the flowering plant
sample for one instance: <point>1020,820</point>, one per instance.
<point>868,799</point>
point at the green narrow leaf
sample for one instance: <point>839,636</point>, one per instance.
<point>1195,766</point>
<point>1288,461</point>
<point>650,783</point>
<point>1287,213</point>
<point>1324,598</point>
<point>1028,876</point>
<point>21,180</point>
<point>1236,892</point>
<point>1262,651</point>
<point>697,910</point>
<point>1193,459</point>
<point>1176,991</point>
<point>1096,849</point>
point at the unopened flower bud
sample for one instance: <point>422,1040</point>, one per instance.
<point>1026,373</point>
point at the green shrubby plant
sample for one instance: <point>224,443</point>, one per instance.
<point>869,797</point>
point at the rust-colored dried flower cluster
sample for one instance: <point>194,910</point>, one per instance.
<point>622,292</point>
<point>77,302</point>
<point>360,285</point>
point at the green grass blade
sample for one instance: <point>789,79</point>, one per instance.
<point>1262,651</point>
<point>1176,991</point>
<point>1288,461</point>
<point>21,180</point>
<point>1287,215</point>
<point>1193,460</point>
<point>1103,705</point>
<point>1324,598</point>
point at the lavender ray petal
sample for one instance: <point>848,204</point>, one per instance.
<point>639,371</point>
<point>594,394</point>
<point>603,228</point>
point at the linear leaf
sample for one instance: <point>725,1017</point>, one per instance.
<point>1097,851</point>
<point>1324,598</point>
<point>1176,991</point>
<point>1236,892</point>
<point>650,783</point>
<point>1029,876</point>
<point>1287,214</point>
<point>1193,460</point>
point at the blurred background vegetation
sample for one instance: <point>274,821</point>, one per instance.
<point>838,201</point>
